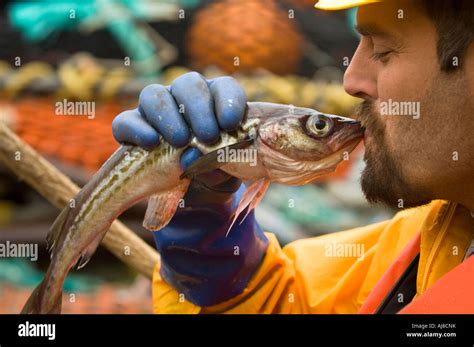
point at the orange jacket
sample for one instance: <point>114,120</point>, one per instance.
<point>352,271</point>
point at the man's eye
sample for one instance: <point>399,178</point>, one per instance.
<point>380,56</point>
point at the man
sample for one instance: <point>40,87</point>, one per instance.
<point>414,71</point>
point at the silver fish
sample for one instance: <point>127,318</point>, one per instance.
<point>286,144</point>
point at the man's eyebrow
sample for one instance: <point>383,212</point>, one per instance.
<point>371,30</point>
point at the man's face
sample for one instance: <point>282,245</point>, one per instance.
<point>419,119</point>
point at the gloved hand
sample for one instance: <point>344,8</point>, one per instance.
<point>197,258</point>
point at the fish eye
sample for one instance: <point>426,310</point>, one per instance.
<point>319,125</point>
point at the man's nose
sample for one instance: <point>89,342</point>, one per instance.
<point>360,78</point>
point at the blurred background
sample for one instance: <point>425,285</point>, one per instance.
<point>105,52</point>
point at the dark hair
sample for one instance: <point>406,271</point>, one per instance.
<point>454,22</point>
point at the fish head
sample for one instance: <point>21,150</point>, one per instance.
<point>298,146</point>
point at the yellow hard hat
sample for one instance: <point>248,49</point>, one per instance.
<point>342,4</point>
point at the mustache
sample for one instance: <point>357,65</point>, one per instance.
<point>369,119</point>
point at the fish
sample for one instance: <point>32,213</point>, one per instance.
<point>274,143</point>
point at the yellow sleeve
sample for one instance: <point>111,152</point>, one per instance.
<point>333,273</point>
<point>307,276</point>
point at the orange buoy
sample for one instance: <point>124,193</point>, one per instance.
<point>244,35</point>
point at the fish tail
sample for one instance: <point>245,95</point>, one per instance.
<point>35,305</point>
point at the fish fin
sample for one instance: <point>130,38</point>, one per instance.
<point>208,162</point>
<point>162,207</point>
<point>33,304</point>
<point>251,197</point>
<point>87,253</point>
<point>56,228</point>
<point>257,198</point>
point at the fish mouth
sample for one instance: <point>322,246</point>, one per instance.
<point>283,169</point>
<point>348,147</point>
<point>329,163</point>
<point>351,145</point>
<point>356,134</point>
<point>353,141</point>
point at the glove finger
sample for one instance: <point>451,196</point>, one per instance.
<point>130,127</point>
<point>192,93</point>
<point>230,101</point>
<point>160,110</point>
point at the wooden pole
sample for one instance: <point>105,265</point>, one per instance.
<point>46,179</point>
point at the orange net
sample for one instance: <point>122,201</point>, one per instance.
<point>75,140</point>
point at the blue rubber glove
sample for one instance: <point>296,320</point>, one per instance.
<point>197,258</point>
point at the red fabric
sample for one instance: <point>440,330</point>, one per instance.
<point>452,293</point>
<point>390,277</point>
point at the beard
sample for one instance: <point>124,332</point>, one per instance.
<point>382,180</point>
